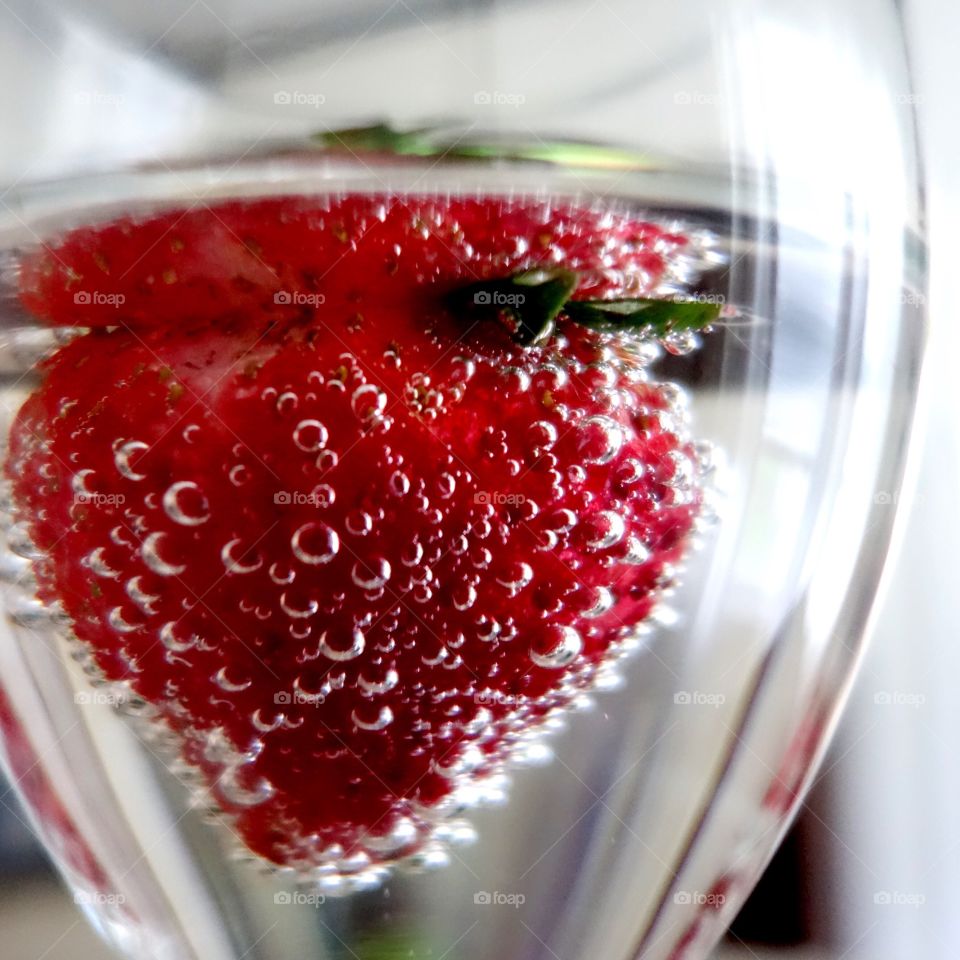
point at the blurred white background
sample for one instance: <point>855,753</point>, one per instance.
<point>881,830</point>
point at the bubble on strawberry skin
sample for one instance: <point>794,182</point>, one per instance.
<point>382,720</point>
<point>310,436</point>
<point>349,651</point>
<point>315,543</point>
<point>170,640</point>
<point>122,456</point>
<point>150,551</point>
<point>600,439</point>
<point>185,504</point>
<point>558,647</point>
<point>232,558</point>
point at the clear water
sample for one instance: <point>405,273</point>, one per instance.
<point>667,792</point>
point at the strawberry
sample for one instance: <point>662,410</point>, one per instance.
<point>351,544</point>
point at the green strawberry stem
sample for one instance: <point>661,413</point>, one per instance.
<point>529,302</point>
<point>648,315</point>
<point>526,302</point>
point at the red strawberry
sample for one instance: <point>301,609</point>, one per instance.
<point>351,551</point>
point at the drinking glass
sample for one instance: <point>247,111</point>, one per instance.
<point>779,139</point>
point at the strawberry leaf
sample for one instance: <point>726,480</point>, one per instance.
<point>646,315</point>
<point>526,303</point>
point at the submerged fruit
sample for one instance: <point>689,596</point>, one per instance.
<point>351,546</point>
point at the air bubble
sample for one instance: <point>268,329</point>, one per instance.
<point>233,564</point>
<point>298,612</point>
<point>372,688</point>
<point>368,402</point>
<point>371,574</point>
<point>680,342</point>
<point>359,523</point>
<point>399,483</point>
<point>600,439</point>
<point>384,719</point>
<point>229,786</point>
<point>151,557</point>
<point>122,455</point>
<point>287,402</point>
<point>96,562</point>
<point>563,645</point>
<point>516,578</point>
<point>357,644</point>
<point>310,435</point>
<point>169,639</point>
<point>140,597</point>
<point>239,475</point>
<point>185,504</point>
<point>637,552</point>
<point>281,575</point>
<point>119,623</point>
<point>603,530</point>
<point>78,483</point>
<point>465,596</point>
<point>225,683</point>
<point>315,543</point>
